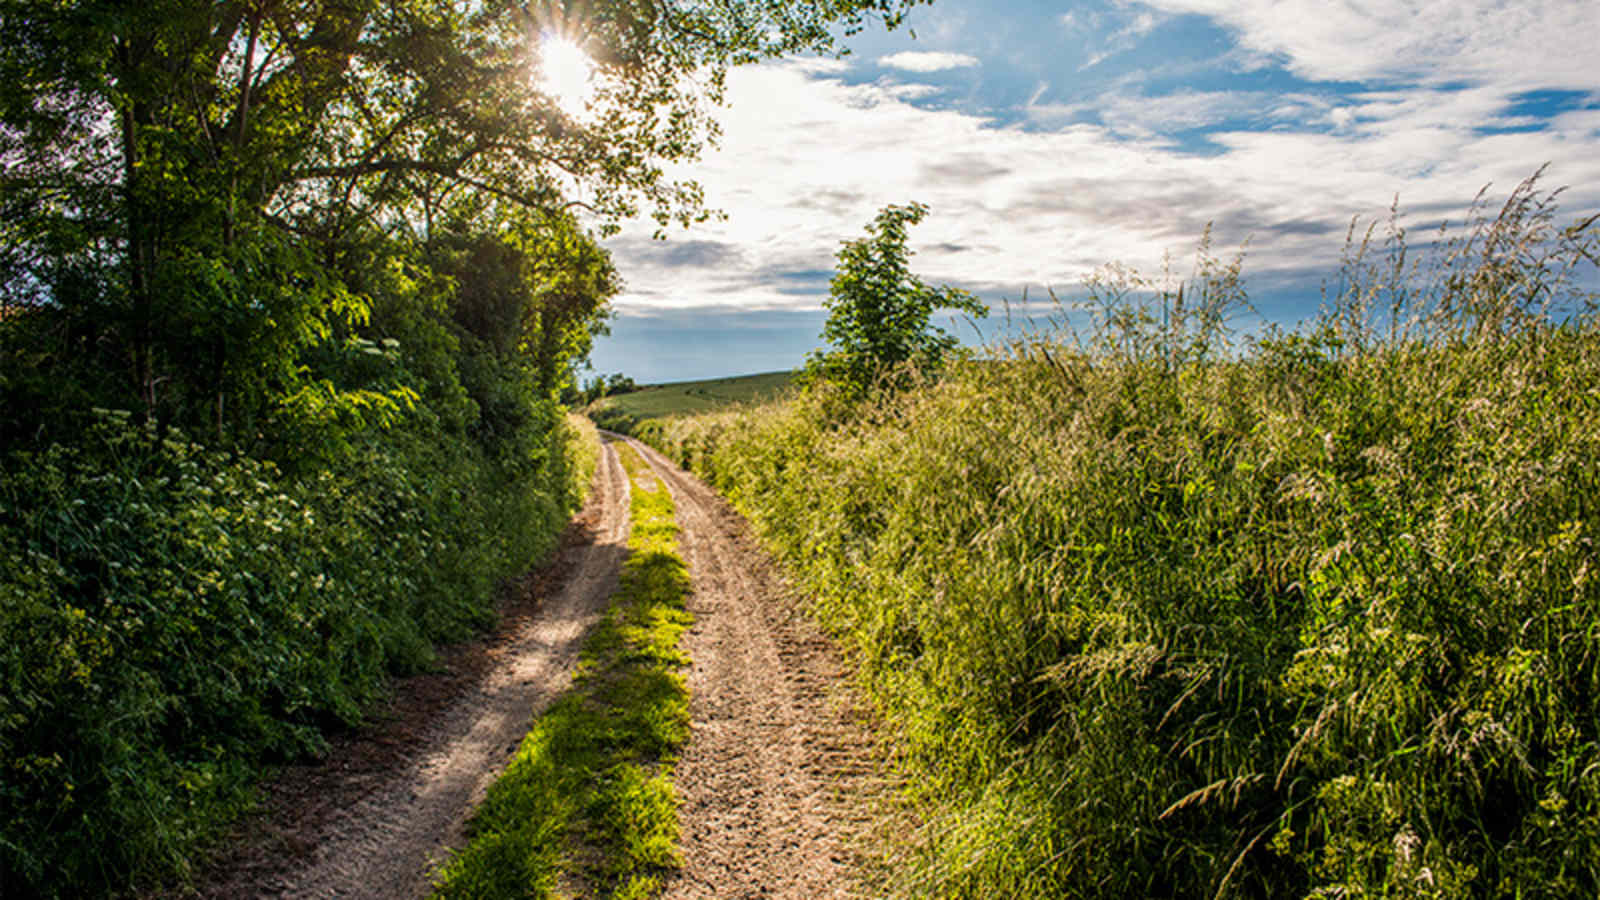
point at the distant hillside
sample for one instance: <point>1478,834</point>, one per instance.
<point>686,398</point>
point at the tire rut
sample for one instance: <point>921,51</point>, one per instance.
<point>387,844</point>
<point>778,781</point>
<point>779,776</point>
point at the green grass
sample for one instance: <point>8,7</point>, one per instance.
<point>588,801</point>
<point>583,453</point>
<point>1152,614</point>
<point>687,398</point>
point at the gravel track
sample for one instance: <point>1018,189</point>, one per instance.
<point>385,844</point>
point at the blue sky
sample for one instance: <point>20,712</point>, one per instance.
<point>1050,139</point>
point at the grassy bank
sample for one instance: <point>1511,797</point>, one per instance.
<point>584,454</point>
<point>1150,614</point>
<point>589,800</point>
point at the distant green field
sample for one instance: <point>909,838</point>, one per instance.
<point>686,398</point>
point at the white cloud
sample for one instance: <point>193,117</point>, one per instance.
<point>927,61</point>
<point>806,161</point>
<point>1142,24</point>
<point>913,91</point>
<point>1153,116</point>
<point>821,65</point>
<point>1138,23</point>
<point>1522,45</point>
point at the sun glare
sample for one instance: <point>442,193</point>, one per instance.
<point>567,74</point>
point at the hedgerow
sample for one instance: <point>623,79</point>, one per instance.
<point>173,616</point>
<point>191,591</point>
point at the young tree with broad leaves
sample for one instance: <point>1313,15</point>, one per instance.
<point>878,311</point>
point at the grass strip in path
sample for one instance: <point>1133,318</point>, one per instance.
<point>587,804</point>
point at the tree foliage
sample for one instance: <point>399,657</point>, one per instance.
<point>179,173</point>
<point>878,310</point>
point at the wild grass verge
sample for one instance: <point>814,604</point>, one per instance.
<point>583,453</point>
<point>1150,614</point>
<point>588,801</point>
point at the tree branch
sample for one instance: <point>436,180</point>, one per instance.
<point>450,171</point>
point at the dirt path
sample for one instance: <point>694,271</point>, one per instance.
<point>395,809</point>
<point>778,774</point>
<point>773,779</point>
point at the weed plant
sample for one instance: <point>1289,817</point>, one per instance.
<point>1161,612</point>
<point>588,800</point>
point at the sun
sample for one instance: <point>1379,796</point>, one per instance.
<point>566,73</point>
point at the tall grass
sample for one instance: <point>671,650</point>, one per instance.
<point>1158,611</point>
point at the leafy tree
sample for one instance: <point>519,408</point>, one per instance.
<point>178,172</point>
<point>878,310</point>
<point>575,282</point>
<point>534,285</point>
<point>604,386</point>
<point>528,294</point>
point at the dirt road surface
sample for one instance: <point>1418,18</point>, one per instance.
<point>775,778</point>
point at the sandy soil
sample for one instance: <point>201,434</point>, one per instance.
<point>776,779</point>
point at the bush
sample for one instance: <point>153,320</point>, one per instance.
<point>878,310</point>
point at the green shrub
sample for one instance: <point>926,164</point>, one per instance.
<point>878,310</point>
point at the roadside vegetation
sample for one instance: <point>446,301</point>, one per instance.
<point>878,312</point>
<point>1157,611</point>
<point>175,612</point>
<point>588,800</point>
